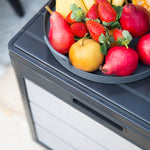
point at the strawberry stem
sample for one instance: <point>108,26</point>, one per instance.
<point>108,42</point>
<point>48,9</point>
<point>84,39</point>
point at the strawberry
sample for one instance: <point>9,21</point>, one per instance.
<point>122,37</point>
<point>95,29</point>
<point>106,12</point>
<point>117,33</point>
<point>93,12</point>
<point>69,19</point>
<point>76,14</point>
<point>79,29</point>
<point>101,1</point>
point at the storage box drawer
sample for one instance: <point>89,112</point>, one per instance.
<point>50,140</point>
<point>62,130</point>
<point>75,118</point>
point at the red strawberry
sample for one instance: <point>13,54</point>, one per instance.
<point>69,19</point>
<point>101,1</point>
<point>106,12</point>
<point>95,29</point>
<point>79,29</point>
<point>76,14</point>
<point>122,37</point>
<point>93,12</point>
<point>117,33</point>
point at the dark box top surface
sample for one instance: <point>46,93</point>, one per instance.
<point>132,97</point>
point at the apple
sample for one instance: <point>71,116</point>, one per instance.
<point>135,19</point>
<point>143,48</point>
<point>85,55</point>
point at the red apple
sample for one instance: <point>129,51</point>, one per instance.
<point>143,48</point>
<point>135,19</point>
<point>120,61</point>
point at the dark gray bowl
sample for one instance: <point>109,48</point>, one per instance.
<point>141,72</point>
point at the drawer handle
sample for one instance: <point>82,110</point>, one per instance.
<point>102,117</point>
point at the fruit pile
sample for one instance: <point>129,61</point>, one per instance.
<point>97,36</point>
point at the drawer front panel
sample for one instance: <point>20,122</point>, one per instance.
<point>62,130</point>
<point>50,140</point>
<point>75,118</point>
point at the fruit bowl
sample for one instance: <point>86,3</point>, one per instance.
<point>141,72</point>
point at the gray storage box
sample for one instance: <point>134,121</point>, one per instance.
<point>68,112</point>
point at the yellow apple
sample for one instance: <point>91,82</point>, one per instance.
<point>85,55</point>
